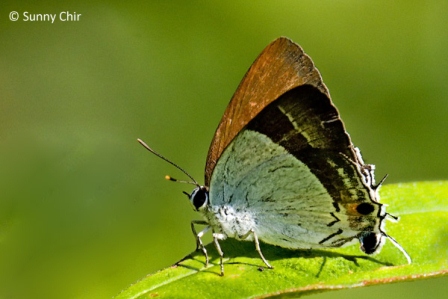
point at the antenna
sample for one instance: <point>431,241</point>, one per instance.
<point>193,181</point>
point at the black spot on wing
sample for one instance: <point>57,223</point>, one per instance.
<point>365,208</point>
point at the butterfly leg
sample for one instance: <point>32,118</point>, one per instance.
<point>217,237</point>
<point>257,246</point>
<point>198,236</point>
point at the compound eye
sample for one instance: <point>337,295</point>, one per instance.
<point>199,198</point>
<point>370,242</point>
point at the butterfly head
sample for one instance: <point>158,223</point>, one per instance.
<point>199,198</point>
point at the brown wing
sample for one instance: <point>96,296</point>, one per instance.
<point>280,67</point>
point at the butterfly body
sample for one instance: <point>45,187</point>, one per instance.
<point>260,182</point>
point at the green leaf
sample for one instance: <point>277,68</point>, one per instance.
<point>422,231</point>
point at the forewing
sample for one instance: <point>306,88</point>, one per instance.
<point>280,67</point>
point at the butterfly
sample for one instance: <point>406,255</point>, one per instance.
<point>282,169</point>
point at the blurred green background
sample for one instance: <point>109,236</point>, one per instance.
<point>84,209</point>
